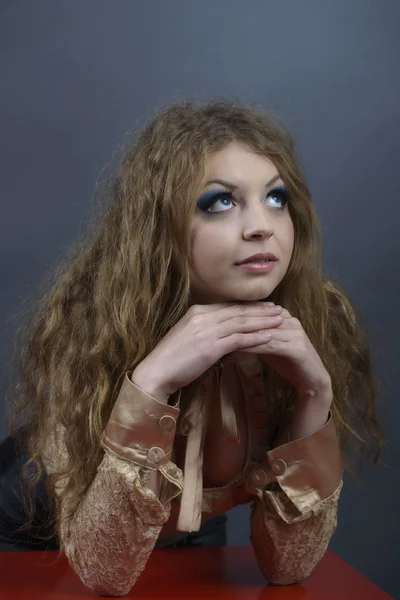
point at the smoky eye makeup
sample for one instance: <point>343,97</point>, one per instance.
<point>207,199</point>
<point>211,197</point>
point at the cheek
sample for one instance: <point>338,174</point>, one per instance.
<point>288,235</point>
<point>209,250</point>
<point>289,244</point>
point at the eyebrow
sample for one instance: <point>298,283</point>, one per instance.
<point>235,187</point>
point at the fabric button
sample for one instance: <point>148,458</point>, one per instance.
<point>167,422</point>
<point>259,478</point>
<point>156,454</point>
<point>279,466</point>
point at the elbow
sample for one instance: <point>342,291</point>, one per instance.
<point>285,579</point>
<point>111,595</point>
<point>105,584</point>
<point>116,595</point>
<point>106,589</point>
<point>284,574</point>
<point>109,585</point>
<point>105,578</point>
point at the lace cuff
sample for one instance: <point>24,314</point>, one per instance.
<point>289,544</point>
<point>153,510</point>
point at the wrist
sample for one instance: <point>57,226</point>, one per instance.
<point>148,384</point>
<point>311,413</point>
<point>321,393</point>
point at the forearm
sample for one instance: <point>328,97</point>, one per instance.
<point>294,517</point>
<point>289,547</point>
<point>109,535</point>
<point>112,531</point>
<point>105,541</point>
<point>148,383</point>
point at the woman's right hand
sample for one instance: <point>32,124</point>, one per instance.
<point>202,336</point>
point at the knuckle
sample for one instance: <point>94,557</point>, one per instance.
<point>254,337</point>
<point>241,321</point>
<point>238,341</point>
<point>240,310</point>
<point>197,320</point>
<point>194,309</point>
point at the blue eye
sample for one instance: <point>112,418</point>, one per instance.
<point>281,193</point>
<point>224,198</point>
<point>205,202</point>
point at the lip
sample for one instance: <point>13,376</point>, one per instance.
<point>255,267</point>
<point>259,256</point>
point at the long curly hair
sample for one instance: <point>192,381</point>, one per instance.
<point>126,282</point>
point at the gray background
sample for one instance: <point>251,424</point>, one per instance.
<point>77,75</point>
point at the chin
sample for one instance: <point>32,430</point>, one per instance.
<point>253,298</point>
<point>258,295</point>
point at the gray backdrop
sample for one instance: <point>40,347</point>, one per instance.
<point>76,76</point>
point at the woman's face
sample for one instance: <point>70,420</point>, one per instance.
<point>241,210</point>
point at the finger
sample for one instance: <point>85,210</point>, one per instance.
<point>270,347</point>
<point>278,337</point>
<point>286,324</point>
<point>205,308</point>
<point>253,309</point>
<point>247,325</point>
<point>281,335</point>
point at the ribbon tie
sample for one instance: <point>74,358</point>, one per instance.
<point>197,417</point>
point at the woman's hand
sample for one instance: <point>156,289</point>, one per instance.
<point>292,355</point>
<point>204,335</point>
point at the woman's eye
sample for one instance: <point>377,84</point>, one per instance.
<point>221,202</point>
<point>280,194</point>
<point>210,200</point>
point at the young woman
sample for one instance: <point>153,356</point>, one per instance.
<point>191,356</point>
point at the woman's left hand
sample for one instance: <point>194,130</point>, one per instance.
<point>292,355</point>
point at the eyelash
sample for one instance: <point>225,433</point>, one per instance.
<point>277,191</point>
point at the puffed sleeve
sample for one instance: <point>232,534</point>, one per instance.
<point>295,513</point>
<point>114,529</point>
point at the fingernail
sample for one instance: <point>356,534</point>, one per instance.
<point>270,303</point>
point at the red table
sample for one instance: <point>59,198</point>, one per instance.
<point>228,572</point>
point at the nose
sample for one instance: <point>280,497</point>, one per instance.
<point>257,224</point>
